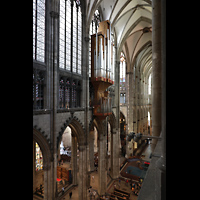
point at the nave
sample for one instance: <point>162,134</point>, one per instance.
<point>112,184</point>
<point>97,69</point>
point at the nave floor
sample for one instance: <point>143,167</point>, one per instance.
<point>110,189</point>
<point>94,184</point>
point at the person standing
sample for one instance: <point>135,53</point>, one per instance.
<point>70,195</point>
<point>94,194</point>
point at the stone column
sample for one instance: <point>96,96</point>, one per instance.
<point>135,99</point>
<point>129,101</point>
<point>156,69</point>
<point>83,174</point>
<point>114,154</point>
<point>54,67</point>
<point>129,98</point>
<point>117,93</point>
<point>116,132</point>
<point>161,163</point>
<point>47,186</point>
<point>91,151</point>
<point>74,160</point>
<point>34,166</point>
<point>102,156</point>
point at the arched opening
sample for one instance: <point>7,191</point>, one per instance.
<point>123,134</point>
<point>70,160</point>
<point>38,188</point>
<point>41,166</point>
<point>149,123</point>
<point>101,144</point>
<point>67,148</point>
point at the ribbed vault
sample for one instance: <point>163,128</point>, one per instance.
<point>131,22</point>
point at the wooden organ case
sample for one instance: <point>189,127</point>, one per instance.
<point>102,65</point>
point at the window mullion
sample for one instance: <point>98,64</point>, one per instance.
<point>76,40</point>
<point>71,60</point>
<point>36,30</point>
<point>65,36</point>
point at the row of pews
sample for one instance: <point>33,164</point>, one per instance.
<point>39,191</point>
<point>120,194</point>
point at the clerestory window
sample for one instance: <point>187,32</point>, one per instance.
<point>70,36</point>
<point>39,30</point>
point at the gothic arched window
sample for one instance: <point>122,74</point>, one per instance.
<point>61,93</point>
<point>70,30</point>
<point>64,93</point>
<point>38,158</point>
<point>74,93</point>
<point>39,30</point>
<point>38,89</point>
<point>65,35</point>
<point>69,93</point>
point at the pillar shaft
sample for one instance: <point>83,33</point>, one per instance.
<point>83,175</point>
<point>156,69</point>
<point>54,67</point>
<point>74,160</point>
<point>102,156</point>
<point>115,154</point>
<point>91,151</point>
<point>161,163</point>
<point>129,99</point>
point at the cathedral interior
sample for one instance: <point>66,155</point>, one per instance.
<point>99,90</point>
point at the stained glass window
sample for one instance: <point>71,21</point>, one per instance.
<point>38,89</point>
<point>66,32</point>
<point>69,93</point>
<point>149,85</point>
<point>78,2</point>
<point>65,35</point>
<point>79,68</point>
<point>38,157</point>
<point>122,79</point>
<point>122,68</point>
<point>74,38</point>
<point>74,94</point>
<point>61,93</point>
<point>39,30</point>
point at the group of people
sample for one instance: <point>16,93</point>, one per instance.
<point>92,193</point>
<point>40,190</point>
<point>106,197</point>
<point>135,187</point>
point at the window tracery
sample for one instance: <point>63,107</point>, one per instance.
<point>39,30</point>
<point>70,35</point>
<point>38,89</point>
<point>69,93</point>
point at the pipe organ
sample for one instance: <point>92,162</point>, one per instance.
<point>102,64</point>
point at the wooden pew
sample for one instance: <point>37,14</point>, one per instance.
<point>121,191</point>
<point>119,197</point>
<point>121,194</point>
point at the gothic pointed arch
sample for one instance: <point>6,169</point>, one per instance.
<point>77,129</point>
<point>44,145</point>
<point>112,121</point>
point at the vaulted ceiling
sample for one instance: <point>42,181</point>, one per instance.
<point>131,23</point>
